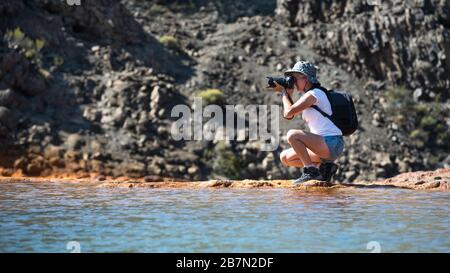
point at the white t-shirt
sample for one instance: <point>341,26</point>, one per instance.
<point>317,123</point>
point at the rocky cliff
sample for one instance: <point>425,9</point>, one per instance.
<point>401,42</point>
<point>89,88</point>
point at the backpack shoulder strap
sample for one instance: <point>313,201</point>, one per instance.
<point>320,111</point>
<point>317,107</point>
<point>322,88</point>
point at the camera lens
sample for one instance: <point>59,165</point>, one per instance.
<point>289,82</point>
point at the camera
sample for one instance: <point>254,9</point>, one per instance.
<point>287,82</point>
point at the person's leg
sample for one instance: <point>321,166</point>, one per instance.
<point>289,158</point>
<point>328,169</point>
<point>336,146</point>
<point>301,141</point>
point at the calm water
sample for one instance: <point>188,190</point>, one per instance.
<point>46,217</point>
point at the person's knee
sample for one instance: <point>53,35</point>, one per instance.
<point>292,135</point>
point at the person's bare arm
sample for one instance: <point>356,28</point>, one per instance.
<point>292,109</point>
<point>287,103</point>
<point>286,98</point>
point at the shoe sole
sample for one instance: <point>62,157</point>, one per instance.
<point>313,183</point>
<point>301,182</point>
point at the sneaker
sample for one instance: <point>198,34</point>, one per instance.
<point>311,173</point>
<point>328,169</point>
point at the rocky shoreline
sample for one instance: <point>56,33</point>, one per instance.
<point>438,180</point>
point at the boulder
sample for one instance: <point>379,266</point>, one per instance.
<point>7,118</point>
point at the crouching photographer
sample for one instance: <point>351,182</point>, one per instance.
<point>316,150</point>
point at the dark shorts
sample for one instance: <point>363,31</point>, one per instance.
<point>335,145</point>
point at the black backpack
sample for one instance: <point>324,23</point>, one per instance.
<point>344,113</point>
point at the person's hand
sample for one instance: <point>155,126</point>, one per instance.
<point>277,88</point>
<point>290,92</point>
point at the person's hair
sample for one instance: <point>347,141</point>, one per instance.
<point>314,85</point>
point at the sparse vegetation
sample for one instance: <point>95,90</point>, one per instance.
<point>170,42</point>
<point>57,61</point>
<point>224,161</point>
<point>156,10</point>
<point>426,121</point>
<point>31,49</point>
<point>185,5</point>
<point>212,96</point>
